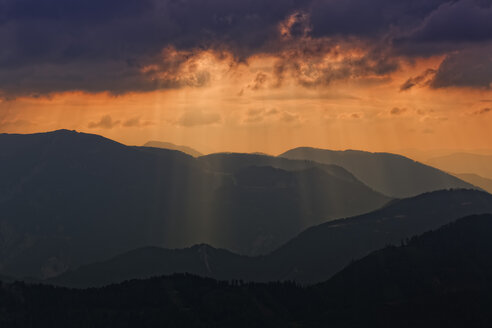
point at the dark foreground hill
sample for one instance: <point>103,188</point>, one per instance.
<point>441,279</point>
<point>313,256</point>
<point>69,198</point>
<point>391,174</point>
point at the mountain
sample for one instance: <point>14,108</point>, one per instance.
<point>167,145</point>
<point>476,180</point>
<point>343,241</point>
<point>235,162</point>
<point>441,279</point>
<point>69,199</point>
<point>424,155</point>
<point>274,205</point>
<point>202,260</point>
<point>458,256</point>
<point>6,278</point>
<point>313,256</point>
<point>390,174</point>
<point>464,163</point>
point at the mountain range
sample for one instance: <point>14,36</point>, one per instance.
<point>313,256</point>
<point>459,163</point>
<point>442,278</point>
<point>168,145</point>
<point>476,180</point>
<point>392,175</point>
<point>68,199</point>
<point>71,198</point>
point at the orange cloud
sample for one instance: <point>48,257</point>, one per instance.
<point>106,122</point>
<point>483,111</point>
<point>197,118</point>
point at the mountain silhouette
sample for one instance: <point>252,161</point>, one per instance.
<point>464,163</point>
<point>314,256</point>
<point>393,175</point>
<point>168,145</point>
<point>69,199</point>
<point>476,180</point>
<point>234,162</point>
<point>345,240</point>
<point>202,260</point>
<point>457,255</point>
<point>442,278</point>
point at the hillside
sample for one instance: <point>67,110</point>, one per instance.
<point>442,278</point>
<point>315,255</point>
<point>69,199</point>
<point>390,174</point>
<point>476,180</point>
<point>343,241</point>
<point>168,145</point>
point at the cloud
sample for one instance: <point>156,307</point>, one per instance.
<point>262,115</point>
<point>108,45</point>
<point>420,80</point>
<point>439,31</point>
<point>259,81</point>
<point>369,19</point>
<point>106,122</point>
<point>397,111</point>
<point>430,116</point>
<point>316,63</point>
<point>136,122</point>
<point>122,46</point>
<point>289,117</point>
<point>350,116</point>
<point>197,118</point>
<point>468,68</point>
<point>482,111</point>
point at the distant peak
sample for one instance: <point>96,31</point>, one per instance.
<point>169,145</point>
<point>63,132</point>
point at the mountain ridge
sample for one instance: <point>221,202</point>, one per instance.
<point>391,174</point>
<point>58,188</point>
<point>169,145</point>
<point>460,163</point>
<point>439,278</point>
<point>317,253</point>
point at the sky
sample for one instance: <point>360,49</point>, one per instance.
<point>251,75</point>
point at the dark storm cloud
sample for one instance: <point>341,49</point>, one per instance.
<point>368,18</point>
<point>463,21</point>
<point>117,45</point>
<point>304,63</point>
<point>453,26</point>
<point>419,80</point>
<point>63,45</point>
<point>469,68</point>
